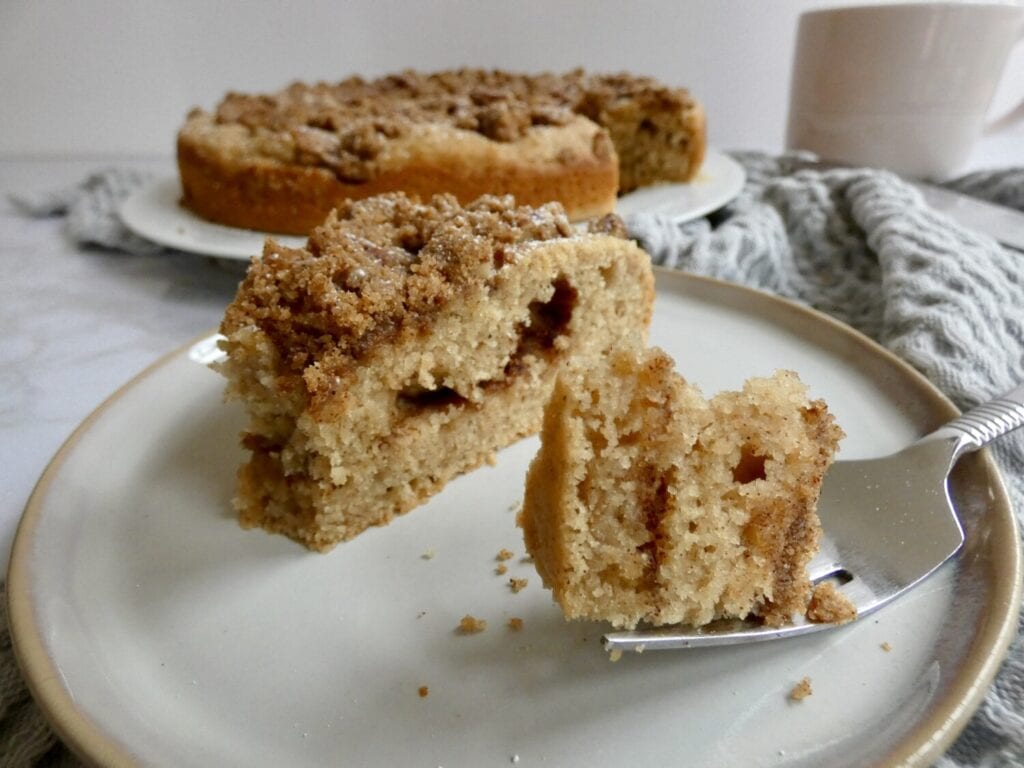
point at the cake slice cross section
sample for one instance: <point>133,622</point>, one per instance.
<point>406,344</point>
<point>648,502</point>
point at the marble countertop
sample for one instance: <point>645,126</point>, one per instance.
<point>78,323</point>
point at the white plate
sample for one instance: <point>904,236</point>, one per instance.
<point>153,630</point>
<point>153,211</point>
<point>719,182</point>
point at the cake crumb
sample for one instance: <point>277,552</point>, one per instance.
<point>424,691</point>
<point>515,758</point>
<point>421,614</point>
<point>428,555</point>
<point>801,690</point>
<point>501,570</point>
<point>504,554</point>
<point>830,606</point>
<point>886,647</point>
<point>518,585</point>
<point>470,625</point>
<point>515,623</point>
<point>615,655</point>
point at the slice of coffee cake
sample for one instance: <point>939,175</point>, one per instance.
<point>405,344</point>
<point>649,503</point>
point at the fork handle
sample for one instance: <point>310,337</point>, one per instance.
<point>986,422</point>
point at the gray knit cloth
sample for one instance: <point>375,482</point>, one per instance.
<point>863,247</point>
<point>859,245</point>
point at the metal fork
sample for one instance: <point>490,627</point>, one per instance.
<point>888,524</point>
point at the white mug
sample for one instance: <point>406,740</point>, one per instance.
<point>905,87</point>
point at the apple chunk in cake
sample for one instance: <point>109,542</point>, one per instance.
<point>405,344</point>
<point>649,503</point>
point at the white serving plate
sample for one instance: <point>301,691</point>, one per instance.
<point>154,631</point>
<point>153,211</point>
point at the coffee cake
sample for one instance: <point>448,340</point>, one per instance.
<point>405,344</point>
<point>279,162</point>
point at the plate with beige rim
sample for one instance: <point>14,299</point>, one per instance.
<point>154,212</point>
<point>153,630</point>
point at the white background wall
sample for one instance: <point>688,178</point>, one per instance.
<point>116,77</point>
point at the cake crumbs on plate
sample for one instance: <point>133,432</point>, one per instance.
<point>423,691</point>
<point>504,554</point>
<point>801,690</point>
<point>470,625</point>
<point>428,555</point>
<point>885,646</point>
<point>615,654</point>
<point>518,585</point>
<point>515,623</point>
<point>501,570</point>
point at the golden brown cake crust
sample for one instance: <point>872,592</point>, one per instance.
<point>280,162</point>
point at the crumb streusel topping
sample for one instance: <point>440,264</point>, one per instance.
<point>344,126</point>
<point>375,270</point>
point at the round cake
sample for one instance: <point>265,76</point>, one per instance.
<point>281,162</point>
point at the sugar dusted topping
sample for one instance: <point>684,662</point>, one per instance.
<point>344,126</point>
<point>609,224</point>
<point>598,93</point>
<point>376,269</point>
